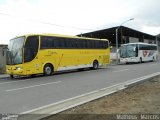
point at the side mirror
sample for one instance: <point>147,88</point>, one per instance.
<point>134,49</point>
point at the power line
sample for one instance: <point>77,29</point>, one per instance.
<point>47,23</point>
<point>64,26</point>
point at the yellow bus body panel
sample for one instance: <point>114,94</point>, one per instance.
<point>61,59</point>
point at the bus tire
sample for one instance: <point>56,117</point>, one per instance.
<point>153,59</point>
<point>140,60</point>
<point>11,76</point>
<point>48,69</point>
<point>95,65</point>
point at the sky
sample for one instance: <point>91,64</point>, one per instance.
<point>72,17</point>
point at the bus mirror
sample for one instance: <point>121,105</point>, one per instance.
<point>117,50</point>
<point>111,47</point>
<point>134,49</point>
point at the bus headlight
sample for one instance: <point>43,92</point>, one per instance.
<point>18,68</point>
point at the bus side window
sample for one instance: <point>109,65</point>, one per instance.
<point>31,48</point>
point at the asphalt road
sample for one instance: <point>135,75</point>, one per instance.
<point>24,94</point>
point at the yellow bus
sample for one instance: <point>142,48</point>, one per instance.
<point>48,53</point>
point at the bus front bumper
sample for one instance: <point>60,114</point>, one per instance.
<point>129,60</point>
<point>15,70</point>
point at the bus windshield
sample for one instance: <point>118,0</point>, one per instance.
<point>14,53</point>
<point>127,51</point>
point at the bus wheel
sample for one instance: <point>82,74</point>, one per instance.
<point>153,59</point>
<point>95,65</point>
<point>48,69</point>
<point>11,76</point>
<point>140,60</point>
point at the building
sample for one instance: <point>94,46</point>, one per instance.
<point>125,35</point>
<point>2,58</point>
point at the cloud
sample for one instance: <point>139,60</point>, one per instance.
<point>148,17</point>
<point>64,16</point>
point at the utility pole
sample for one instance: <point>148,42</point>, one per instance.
<point>117,38</point>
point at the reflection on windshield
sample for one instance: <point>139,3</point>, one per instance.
<point>14,53</point>
<point>127,51</point>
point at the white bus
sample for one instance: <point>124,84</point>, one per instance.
<point>137,52</point>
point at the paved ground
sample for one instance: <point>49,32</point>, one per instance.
<point>3,76</point>
<point>24,94</point>
<point>140,99</point>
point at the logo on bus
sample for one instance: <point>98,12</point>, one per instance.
<point>145,53</point>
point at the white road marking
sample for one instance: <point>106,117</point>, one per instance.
<point>121,70</point>
<point>32,86</point>
<point>153,64</point>
<point>72,100</point>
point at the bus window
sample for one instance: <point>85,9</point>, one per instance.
<point>31,48</point>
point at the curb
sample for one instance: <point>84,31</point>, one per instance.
<point>3,76</point>
<point>58,107</point>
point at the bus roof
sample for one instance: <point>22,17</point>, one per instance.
<point>138,43</point>
<point>66,36</point>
